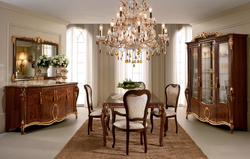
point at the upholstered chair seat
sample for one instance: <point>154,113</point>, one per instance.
<point>169,112</point>
<point>97,112</point>
<point>122,124</point>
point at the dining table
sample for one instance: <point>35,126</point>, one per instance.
<point>115,100</point>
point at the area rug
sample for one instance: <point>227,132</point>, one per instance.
<point>175,146</point>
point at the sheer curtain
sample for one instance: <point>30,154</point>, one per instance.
<point>176,59</point>
<point>140,73</point>
<point>81,50</point>
<point>184,35</point>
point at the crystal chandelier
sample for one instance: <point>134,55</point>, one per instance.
<point>132,33</point>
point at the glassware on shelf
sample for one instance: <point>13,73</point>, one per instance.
<point>226,84</point>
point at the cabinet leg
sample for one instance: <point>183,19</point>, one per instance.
<point>76,115</point>
<point>22,130</point>
<point>232,129</point>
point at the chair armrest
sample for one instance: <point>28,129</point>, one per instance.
<point>118,113</point>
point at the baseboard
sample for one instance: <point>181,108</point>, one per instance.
<point>2,122</point>
<point>80,105</point>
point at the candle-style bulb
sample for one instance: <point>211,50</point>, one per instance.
<point>162,28</point>
<point>120,11</point>
<point>139,27</point>
<point>112,24</point>
<point>150,12</point>
<point>101,28</point>
<point>162,25</point>
<point>165,30</point>
<point>150,9</point>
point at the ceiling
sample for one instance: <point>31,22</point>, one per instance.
<point>102,11</point>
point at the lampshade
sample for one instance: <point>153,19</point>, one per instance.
<point>22,56</point>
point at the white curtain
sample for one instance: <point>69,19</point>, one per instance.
<point>184,35</point>
<point>140,73</point>
<point>83,58</point>
<point>176,59</point>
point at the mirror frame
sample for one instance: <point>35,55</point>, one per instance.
<point>34,40</point>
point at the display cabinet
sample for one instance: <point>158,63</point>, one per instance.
<point>217,79</point>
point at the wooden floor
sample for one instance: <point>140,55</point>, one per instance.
<point>44,142</point>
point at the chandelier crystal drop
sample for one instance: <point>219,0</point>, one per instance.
<point>132,33</point>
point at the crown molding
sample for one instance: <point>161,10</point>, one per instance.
<point>31,13</point>
<point>221,14</point>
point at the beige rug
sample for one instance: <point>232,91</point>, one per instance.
<point>84,146</point>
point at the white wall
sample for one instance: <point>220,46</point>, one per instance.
<point>236,20</point>
<point>22,22</point>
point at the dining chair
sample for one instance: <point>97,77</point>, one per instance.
<point>143,85</point>
<point>136,104</point>
<point>172,92</point>
<point>93,113</point>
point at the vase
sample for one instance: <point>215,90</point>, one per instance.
<point>58,71</point>
<point>44,71</point>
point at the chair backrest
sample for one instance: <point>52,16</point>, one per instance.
<point>136,104</point>
<point>89,97</point>
<point>172,92</point>
<point>143,85</point>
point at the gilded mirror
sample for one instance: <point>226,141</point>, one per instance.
<point>25,53</point>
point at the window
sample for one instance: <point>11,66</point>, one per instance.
<point>183,35</point>
<point>78,60</point>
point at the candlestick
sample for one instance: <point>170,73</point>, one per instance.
<point>112,25</point>
<point>163,27</point>
<point>101,27</point>
<point>120,11</point>
<point>150,12</point>
<point>139,27</point>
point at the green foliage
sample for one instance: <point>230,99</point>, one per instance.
<point>128,83</point>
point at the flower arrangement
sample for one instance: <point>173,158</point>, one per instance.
<point>60,61</point>
<point>43,61</point>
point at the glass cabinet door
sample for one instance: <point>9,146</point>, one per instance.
<point>223,72</point>
<point>194,72</point>
<point>207,68</point>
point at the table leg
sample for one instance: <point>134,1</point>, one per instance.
<point>113,116</point>
<point>104,123</point>
<point>162,115</point>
